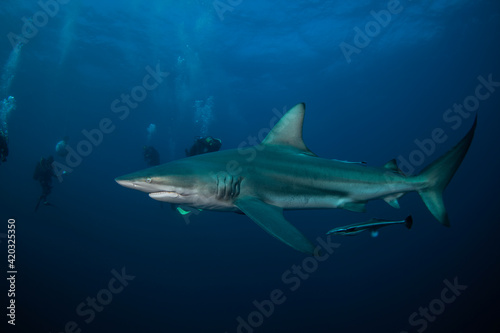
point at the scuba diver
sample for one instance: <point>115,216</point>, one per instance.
<point>204,145</point>
<point>43,174</point>
<point>151,156</point>
<point>4,149</point>
<point>61,147</point>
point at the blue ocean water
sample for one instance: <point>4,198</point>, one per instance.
<point>379,78</point>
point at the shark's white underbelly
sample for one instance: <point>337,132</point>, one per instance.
<point>333,195</point>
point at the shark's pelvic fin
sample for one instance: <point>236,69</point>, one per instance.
<point>438,174</point>
<point>270,218</point>
<point>288,131</point>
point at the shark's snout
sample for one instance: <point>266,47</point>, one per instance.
<point>124,182</point>
<point>140,184</point>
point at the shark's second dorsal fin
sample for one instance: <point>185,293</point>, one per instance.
<point>288,131</point>
<point>393,166</point>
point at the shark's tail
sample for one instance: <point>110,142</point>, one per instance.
<point>437,175</point>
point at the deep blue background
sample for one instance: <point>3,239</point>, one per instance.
<point>199,277</point>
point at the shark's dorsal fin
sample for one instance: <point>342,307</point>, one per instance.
<point>393,166</point>
<point>288,131</point>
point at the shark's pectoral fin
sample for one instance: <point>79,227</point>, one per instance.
<point>270,218</point>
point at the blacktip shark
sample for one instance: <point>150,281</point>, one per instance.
<point>373,225</point>
<point>282,173</point>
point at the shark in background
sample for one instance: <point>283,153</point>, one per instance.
<point>282,173</point>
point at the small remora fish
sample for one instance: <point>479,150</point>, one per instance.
<point>373,225</point>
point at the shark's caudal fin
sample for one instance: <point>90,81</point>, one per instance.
<point>438,174</point>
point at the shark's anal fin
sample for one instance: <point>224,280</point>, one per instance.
<point>358,207</point>
<point>270,218</point>
<point>393,201</point>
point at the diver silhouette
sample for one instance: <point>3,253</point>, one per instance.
<point>43,174</point>
<point>4,149</point>
<point>151,156</point>
<point>204,145</point>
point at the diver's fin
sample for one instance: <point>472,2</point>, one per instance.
<point>438,174</point>
<point>270,218</point>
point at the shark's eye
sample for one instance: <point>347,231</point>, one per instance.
<point>148,180</point>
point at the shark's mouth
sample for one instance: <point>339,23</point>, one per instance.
<point>168,194</point>
<point>164,194</point>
